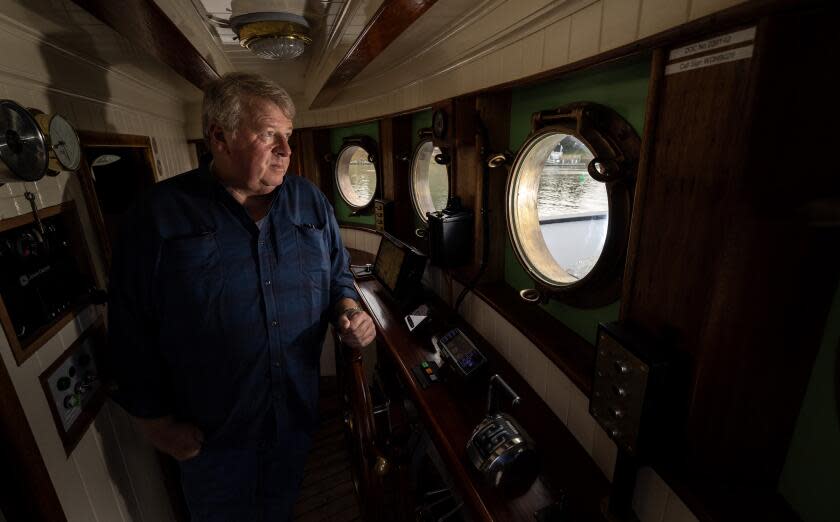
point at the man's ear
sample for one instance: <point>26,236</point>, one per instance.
<point>217,136</point>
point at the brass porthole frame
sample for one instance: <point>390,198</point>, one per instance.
<point>368,145</point>
<point>615,146</point>
<point>425,139</point>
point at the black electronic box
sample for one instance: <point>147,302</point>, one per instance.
<point>450,236</point>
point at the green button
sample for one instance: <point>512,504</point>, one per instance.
<point>424,364</point>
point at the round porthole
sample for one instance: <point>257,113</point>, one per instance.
<point>568,202</point>
<point>429,180</point>
<point>355,176</point>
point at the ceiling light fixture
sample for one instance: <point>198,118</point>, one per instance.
<point>271,29</point>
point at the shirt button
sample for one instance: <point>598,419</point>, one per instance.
<point>276,364</point>
<point>267,282</point>
<point>275,323</point>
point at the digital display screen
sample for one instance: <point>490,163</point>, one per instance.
<point>389,260</point>
<point>462,351</point>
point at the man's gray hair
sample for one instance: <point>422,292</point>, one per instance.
<point>225,98</point>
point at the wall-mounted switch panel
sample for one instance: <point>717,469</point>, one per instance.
<point>632,388</point>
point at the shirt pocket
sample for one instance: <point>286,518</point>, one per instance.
<point>191,283</point>
<point>313,253</point>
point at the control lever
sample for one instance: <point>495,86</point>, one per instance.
<point>492,400</point>
<point>31,198</point>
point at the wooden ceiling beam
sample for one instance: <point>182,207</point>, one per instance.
<point>144,24</point>
<point>392,18</point>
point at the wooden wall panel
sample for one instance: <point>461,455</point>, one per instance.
<point>397,151</point>
<point>729,268</point>
<point>386,149</point>
<point>296,163</point>
<point>466,162</point>
<point>494,111</point>
<point>27,493</point>
<point>313,146</point>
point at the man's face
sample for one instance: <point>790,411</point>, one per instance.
<point>254,157</point>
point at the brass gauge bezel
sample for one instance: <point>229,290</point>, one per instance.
<point>47,123</point>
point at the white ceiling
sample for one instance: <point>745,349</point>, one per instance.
<point>334,33</point>
<point>441,38</point>
<point>336,25</point>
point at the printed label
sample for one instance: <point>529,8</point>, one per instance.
<point>732,55</point>
<point>744,35</point>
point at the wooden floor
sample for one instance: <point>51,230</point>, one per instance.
<point>327,492</point>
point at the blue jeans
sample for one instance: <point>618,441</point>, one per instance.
<point>246,485</point>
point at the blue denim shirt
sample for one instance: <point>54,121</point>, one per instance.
<point>218,322</point>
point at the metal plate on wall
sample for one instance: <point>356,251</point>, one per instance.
<point>618,391</point>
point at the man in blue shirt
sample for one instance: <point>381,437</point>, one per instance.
<point>222,286</point>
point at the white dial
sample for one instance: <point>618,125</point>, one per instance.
<point>65,143</point>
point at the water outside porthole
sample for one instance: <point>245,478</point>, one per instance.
<point>356,176</point>
<point>430,180</point>
<point>560,214</point>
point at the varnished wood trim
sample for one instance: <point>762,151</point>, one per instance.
<point>494,131</point>
<point>657,70</point>
<point>392,18</point>
<point>28,218</point>
<point>387,160</point>
<point>28,493</point>
<point>145,25</point>
<point>108,139</point>
<point>42,335</point>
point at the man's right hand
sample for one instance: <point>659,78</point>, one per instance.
<point>180,440</point>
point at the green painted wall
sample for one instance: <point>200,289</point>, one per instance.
<point>623,87</point>
<point>419,120</point>
<point>810,481</point>
<point>342,211</point>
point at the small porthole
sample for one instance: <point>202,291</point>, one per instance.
<point>568,201</point>
<point>429,180</point>
<point>355,174</point>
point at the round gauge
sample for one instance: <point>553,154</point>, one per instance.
<point>23,148</point>
<point>65,150</point>
<point>439,124</point>
<point>65,143</point>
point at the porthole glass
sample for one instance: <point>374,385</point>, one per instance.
<point>429,180</point>
<point>559,215</point>
<point>356,176</point>
<point>569,197</point>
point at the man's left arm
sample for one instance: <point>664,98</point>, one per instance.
<point>354,325</point>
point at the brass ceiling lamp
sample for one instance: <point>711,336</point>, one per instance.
<point>271,29</point>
